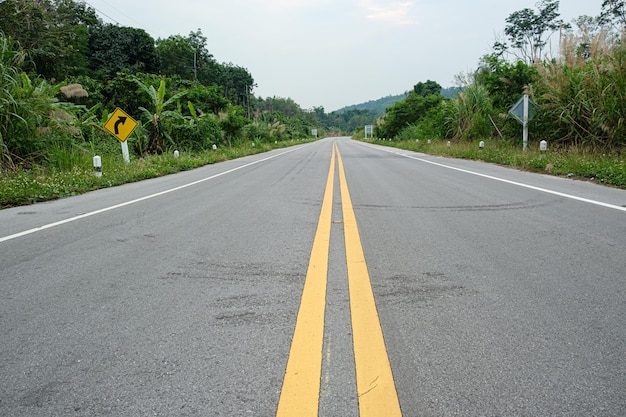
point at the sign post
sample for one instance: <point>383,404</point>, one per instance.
<point>525,123</point>
<point>121,125</point>
<point>523,111</point>
<point>125,153</point>
<point>369,130</point>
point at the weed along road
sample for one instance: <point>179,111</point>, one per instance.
<point>335,278</point>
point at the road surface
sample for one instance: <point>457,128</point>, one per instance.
<point>336,277</point>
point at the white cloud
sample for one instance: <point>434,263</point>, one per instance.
<point>299,4</point>
<point>396,12</point>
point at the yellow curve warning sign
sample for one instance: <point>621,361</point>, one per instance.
<point>120,124</point>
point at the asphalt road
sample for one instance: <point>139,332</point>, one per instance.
<point>499,292</point>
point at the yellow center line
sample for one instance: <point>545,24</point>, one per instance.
<point>375,385</point>
<point>301,386</point>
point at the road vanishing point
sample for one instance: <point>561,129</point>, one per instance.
<point>334,278</point>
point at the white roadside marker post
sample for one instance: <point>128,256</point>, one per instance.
<point>97,165</point>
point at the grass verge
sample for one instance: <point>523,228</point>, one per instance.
<point>602,168</point>
<point>18,188</point>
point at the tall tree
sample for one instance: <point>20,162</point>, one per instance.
<point>205,62</point>
<point>54,33</point>
<point>177,57</point>
<point>614,11</point>
<point>188,57</point>
<point>529,31</point>
<point>504,80</point>
<point>426,89</point>
<point>237,83</point>
<point>115,48</point>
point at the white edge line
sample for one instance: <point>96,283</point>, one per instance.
<point>519,184</point>
<point>137,200</point>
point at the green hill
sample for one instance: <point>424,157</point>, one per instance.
<point>378,107</point>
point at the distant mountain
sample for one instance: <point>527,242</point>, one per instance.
<point>378,107</point>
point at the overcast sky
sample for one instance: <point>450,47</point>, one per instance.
<point>334,53</point>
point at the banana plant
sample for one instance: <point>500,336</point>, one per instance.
<point>157,113</point>
<point>87,122</point>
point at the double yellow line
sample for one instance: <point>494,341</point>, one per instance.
<point>375,385</point>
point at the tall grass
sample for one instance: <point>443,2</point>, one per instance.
<point>582,96</point>
<point>11,58</point>
<point>469,116</point>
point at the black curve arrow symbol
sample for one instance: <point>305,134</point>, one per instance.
<point>120,120</point>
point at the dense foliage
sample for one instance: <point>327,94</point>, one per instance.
<point>63,71</point>
<point>424,97</point>
<point>580,94</point>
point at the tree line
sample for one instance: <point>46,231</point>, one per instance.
<point>66,38</point>
<point>580,93</point>
<point>62,70</point>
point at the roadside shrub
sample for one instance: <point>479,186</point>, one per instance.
<point>210,130</point>
<point>432,126</point>
<point>197,134</point>
<point>258,131</point>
